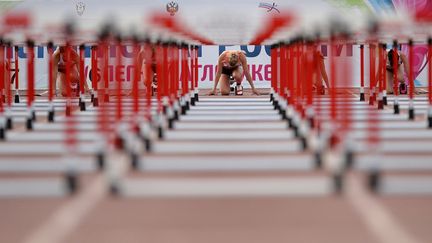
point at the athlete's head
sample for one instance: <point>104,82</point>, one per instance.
<point>390,55</point>
<point>233,59</point>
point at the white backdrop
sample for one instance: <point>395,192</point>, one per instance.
<point>257,56</point>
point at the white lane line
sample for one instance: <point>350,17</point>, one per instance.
<point>376,217</point>
<point>227,187</point>
<point>66,218</point>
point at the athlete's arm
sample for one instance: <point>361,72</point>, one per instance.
<point>323,71</point>
<point>243,61</point>
<point>218,74</point>
<point>56,59</point>
<point>405,63</point>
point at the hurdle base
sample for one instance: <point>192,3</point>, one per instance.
<point>82,105</point>
<point>51,115</point>
<point>275,104</point>
<point>396,109</point>
<point>134,161</point>
<point>100,160</point>
<point>338,183</point>
<point>160,132</point>
<point>318,160</point>
<point>171,123</point>
<point>29,124</point>
<point>374,180</point>
<point>311,121</point>
<point>304,144</point>
<point>277,107</point>
<point>147,145</point>
<point>283,115</point>
<point>92,96</point>
<point>281,110</point>
<point>296,131</point>
<point>192,101</point>
<point>333,141</point>
<point>371,100</point>
<point>183,109</point>
<point>95,102</point>
<point>164,109</point>
<point>380,104</point>
<point>176,115</point>
<point>187,105</point>
<point>290,122</point>
<point>9,123</point>
<point>2,133</point>
<point>362,97</point>
<point>68,110</point>
<point>33,115</point>
<point>136,129</point>
<point>430,122</point>
<point>349,159</point>
<point>411,115</point>
<point>17,99</point>
<point>114,189</point>
<point>196,97</point>
<point>119,142</point>
<point>385,100</point>
<point>71,181</point>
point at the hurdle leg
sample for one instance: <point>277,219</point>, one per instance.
<point>81,101</point>
<point>30,97</point>
<point>362,94</point>
<point>411,113</point>
<point>394,62</point>
<point>17,97</point>
<point>430,83</point>
<point>384,73</point>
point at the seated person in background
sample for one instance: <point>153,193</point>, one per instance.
<point>232,64</point>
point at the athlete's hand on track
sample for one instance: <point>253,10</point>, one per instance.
<point>212,92</point>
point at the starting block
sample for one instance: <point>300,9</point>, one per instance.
<point>237,89</point>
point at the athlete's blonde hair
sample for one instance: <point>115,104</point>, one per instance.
<point>233,59</point>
